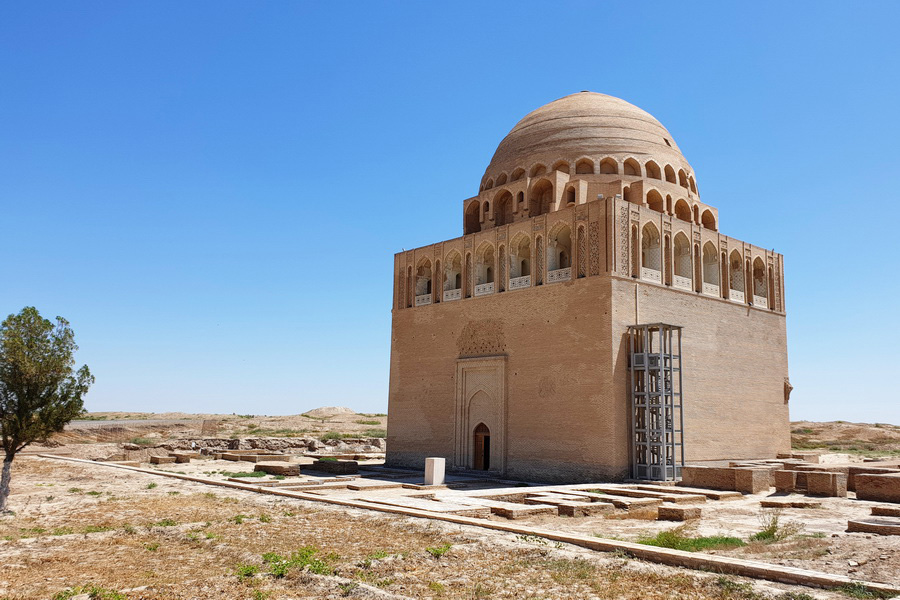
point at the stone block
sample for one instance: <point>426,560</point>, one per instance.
<point>162,460</point>
<point>434,471</point>
<point>751,481</point>
<point>886,511</point>
<point>790,504</point>
<point>878,487</point>
<point>824,483</point>
<point>278,468</point>
<point>785,482</point>
<point>668,512</point>
<point>716,478</point>
<point>854,471</point>
<point>337,467</point>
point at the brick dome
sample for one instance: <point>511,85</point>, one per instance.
<point>583,126</point>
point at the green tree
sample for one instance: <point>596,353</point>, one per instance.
<point>40,391</point>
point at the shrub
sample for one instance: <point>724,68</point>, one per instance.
<point>166,523</point>
<point>364,422</point>
<point>93,592</point>
<point>772,529</point>
<point>375,433</point>
<point>150,486</point>
<point>303,558</point>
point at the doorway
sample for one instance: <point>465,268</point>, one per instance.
<point>482,453</point>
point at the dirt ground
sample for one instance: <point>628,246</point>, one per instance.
<point>861,439</point>
<point>151,537</point>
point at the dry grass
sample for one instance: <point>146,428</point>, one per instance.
<point>191,544</point>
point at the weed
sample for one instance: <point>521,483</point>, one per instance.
<point>532,539</point>
<point>150,486</point>
<point>165,523</point>
<point>676,539</point>
<point>260,595</point>
<point>244,571</point>
<point>244,474</point>
<point>438,551</point>
<point>368,422</point>
<point>435,586</point>
<point>62,531</point>
<point>246,416</point>
<point>238,519</point>
<point>153,547</point>
<point>328,459</point>
<point>211,536</point>
<point>129,529</point>
<point>173,493</point>
<point>278,477</point>
<point>794,596</point>
<point>75,490</point>
<point>141,441</point>
<point>49,498</point>
<point>772,529</point>
<point>375,433</point>
<point>347,588</point>
<point>482,591</point>
<point>94,494</point>
<point>335,435</point>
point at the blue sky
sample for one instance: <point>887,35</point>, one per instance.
<point>212,192</point>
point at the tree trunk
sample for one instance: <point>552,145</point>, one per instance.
<point>4,482</point>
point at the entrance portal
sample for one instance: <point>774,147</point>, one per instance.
<point>482,453</point>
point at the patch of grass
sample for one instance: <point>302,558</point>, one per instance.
<point>246,416</point>
<point>75,490</point>
<point>304,558</point>
<point>150,486</point>
<point>243,474</point>
<point>563,570</point>
<point>129,529</point>
<point>238,519</point>
<point>278,477</point>
<point>859,590</point>
<point>364,422</point>
<point>335,435</point>
<point>439,551</point>
<point>374,414</point>
<point>62,531</point>
<point>264,518</point>
<point>141,441</point>
<point>676,540</point>
<point>435,586</point>
<point>32,531</point>
<point>173,493</point>
<point>245,571</point>
<point>165,523</point>
<point>96,529</point>
<point>375,433</point>
<point>347,588</point>
<point>328,459</point>
<point>93,592</point>
<point>730,586</point>
<point>151,547</point>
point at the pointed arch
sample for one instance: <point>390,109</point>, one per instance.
<point>760,287</point>
<point>682,210</point>
<point>501,180</point>
<point>489,184</point>
<point>650,251</point>
<point>571,196</point>
<point>708,220</point>
<point>559,248</point>
<point>584,166</point>
<point>562,166</point>
<point>582,252</point>
<point>710,269</point>
<point>536,170</point>
<point>682,179</point>
<point>609,166</point>
<point>453,271</point>
<point>655,201</point>
<point>503,208</point>
<point>693,184</point>
<point>517,174</point>
<point>632,167</point>
<point>423,281</point>
<point>484,264</point>
<point>540,198</point>
<point>736,273</point>
<point>682,260</point>
<point>670,174</point>
<point>473,217</point>
<point>519,260</point>
<point>652,170</point>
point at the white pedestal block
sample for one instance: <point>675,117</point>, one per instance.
<point>434,471</point>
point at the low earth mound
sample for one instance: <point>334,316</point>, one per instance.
<point>865,439</point>
<point>329,411</point>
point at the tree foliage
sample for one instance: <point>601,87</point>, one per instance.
<point>40,391</point>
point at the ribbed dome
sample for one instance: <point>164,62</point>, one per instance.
<point>585,124</point>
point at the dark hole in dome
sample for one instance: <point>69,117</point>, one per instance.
<point>667,142</point>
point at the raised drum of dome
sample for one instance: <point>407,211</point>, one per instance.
<point>513,345</point>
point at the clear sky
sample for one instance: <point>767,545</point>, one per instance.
<point>212,192</point>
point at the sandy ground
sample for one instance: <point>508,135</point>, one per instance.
<point>151,537</point>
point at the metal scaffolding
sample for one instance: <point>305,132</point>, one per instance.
<point>657,419</point>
